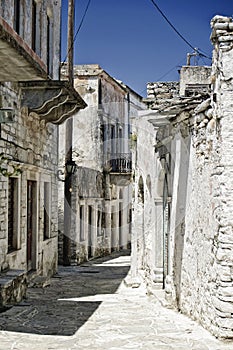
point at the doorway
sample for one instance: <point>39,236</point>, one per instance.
<point>89,231</point>
<point>31,224</point>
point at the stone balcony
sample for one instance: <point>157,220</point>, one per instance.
<point>53,101</point>
<point>120,168</point>
<point>18,61</point>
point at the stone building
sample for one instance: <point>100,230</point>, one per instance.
<point>101,191</point>
<point>183,189</point>
<point>33,101</point>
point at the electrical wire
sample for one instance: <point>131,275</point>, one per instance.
<point>164,75</point>
<point>169,71</point>
<point>78,30</point>
<point>82,20</point>
<point>178,33</point>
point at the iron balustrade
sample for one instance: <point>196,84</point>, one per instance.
<point>120,163</point>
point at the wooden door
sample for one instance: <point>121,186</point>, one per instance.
<point>31,205</point>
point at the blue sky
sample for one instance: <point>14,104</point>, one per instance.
<point>132,41</point>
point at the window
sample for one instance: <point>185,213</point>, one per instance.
<point>100,94</point>
<point>89,216</point>
<point>99,223</point>
<point>13,213</point>
<point>81,223</point>
<point>49,43</point>
<point>103,222</point>
<point>32,224</point>
<point>104,133</point>
<point>120,141</point>
<point>17,16</point>
<point>130,219</point>
<point>47,208</point>
<point>112,132</point>
<point>34,25</point>
<point>3,8</point>
<point>89,230</point>
<point>113,150</point>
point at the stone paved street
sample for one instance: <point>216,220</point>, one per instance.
<point>89,307</point>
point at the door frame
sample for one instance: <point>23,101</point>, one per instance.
<point>34,178</point>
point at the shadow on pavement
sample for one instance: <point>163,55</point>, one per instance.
<point>56,309</point>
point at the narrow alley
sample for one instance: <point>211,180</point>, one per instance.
<point>89,307</point>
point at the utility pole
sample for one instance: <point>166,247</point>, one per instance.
<point>68,145</point>
<point>195,54</point>
<point>70,40</point>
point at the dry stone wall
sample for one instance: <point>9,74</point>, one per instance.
<point>207,282</point>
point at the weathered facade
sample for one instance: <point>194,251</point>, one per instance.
<point>147,221</point>
<point>209,191</point>
<point>32,101</point>
<point>190,218</point>
<point>101,188</point>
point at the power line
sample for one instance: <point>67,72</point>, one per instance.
<point>177,32</point>
<point>170,70</point>
<point>77,31</point>
<point>164,75</point>
<point>82,20</point>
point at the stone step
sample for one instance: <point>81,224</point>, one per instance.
<point>13,286</point>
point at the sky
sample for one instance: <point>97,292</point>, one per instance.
<point>133,43</point>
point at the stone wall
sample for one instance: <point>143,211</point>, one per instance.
<point>205,285</point>
<point>162,90</point>
<point>194,79</point>
<point>31,146</point>
<point>191,175</point>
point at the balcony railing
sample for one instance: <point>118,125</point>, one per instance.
<point>120,163</point>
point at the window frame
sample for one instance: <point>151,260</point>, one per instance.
<point>81,223</point>
<point>34,25</point>
<point>17,15</point>
<point>16,237</point>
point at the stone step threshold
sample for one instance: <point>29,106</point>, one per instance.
<point>13,286</point>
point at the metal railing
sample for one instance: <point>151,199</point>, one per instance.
<point>120,163</point>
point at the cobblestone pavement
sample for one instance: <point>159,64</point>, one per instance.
<point>89,307</point>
